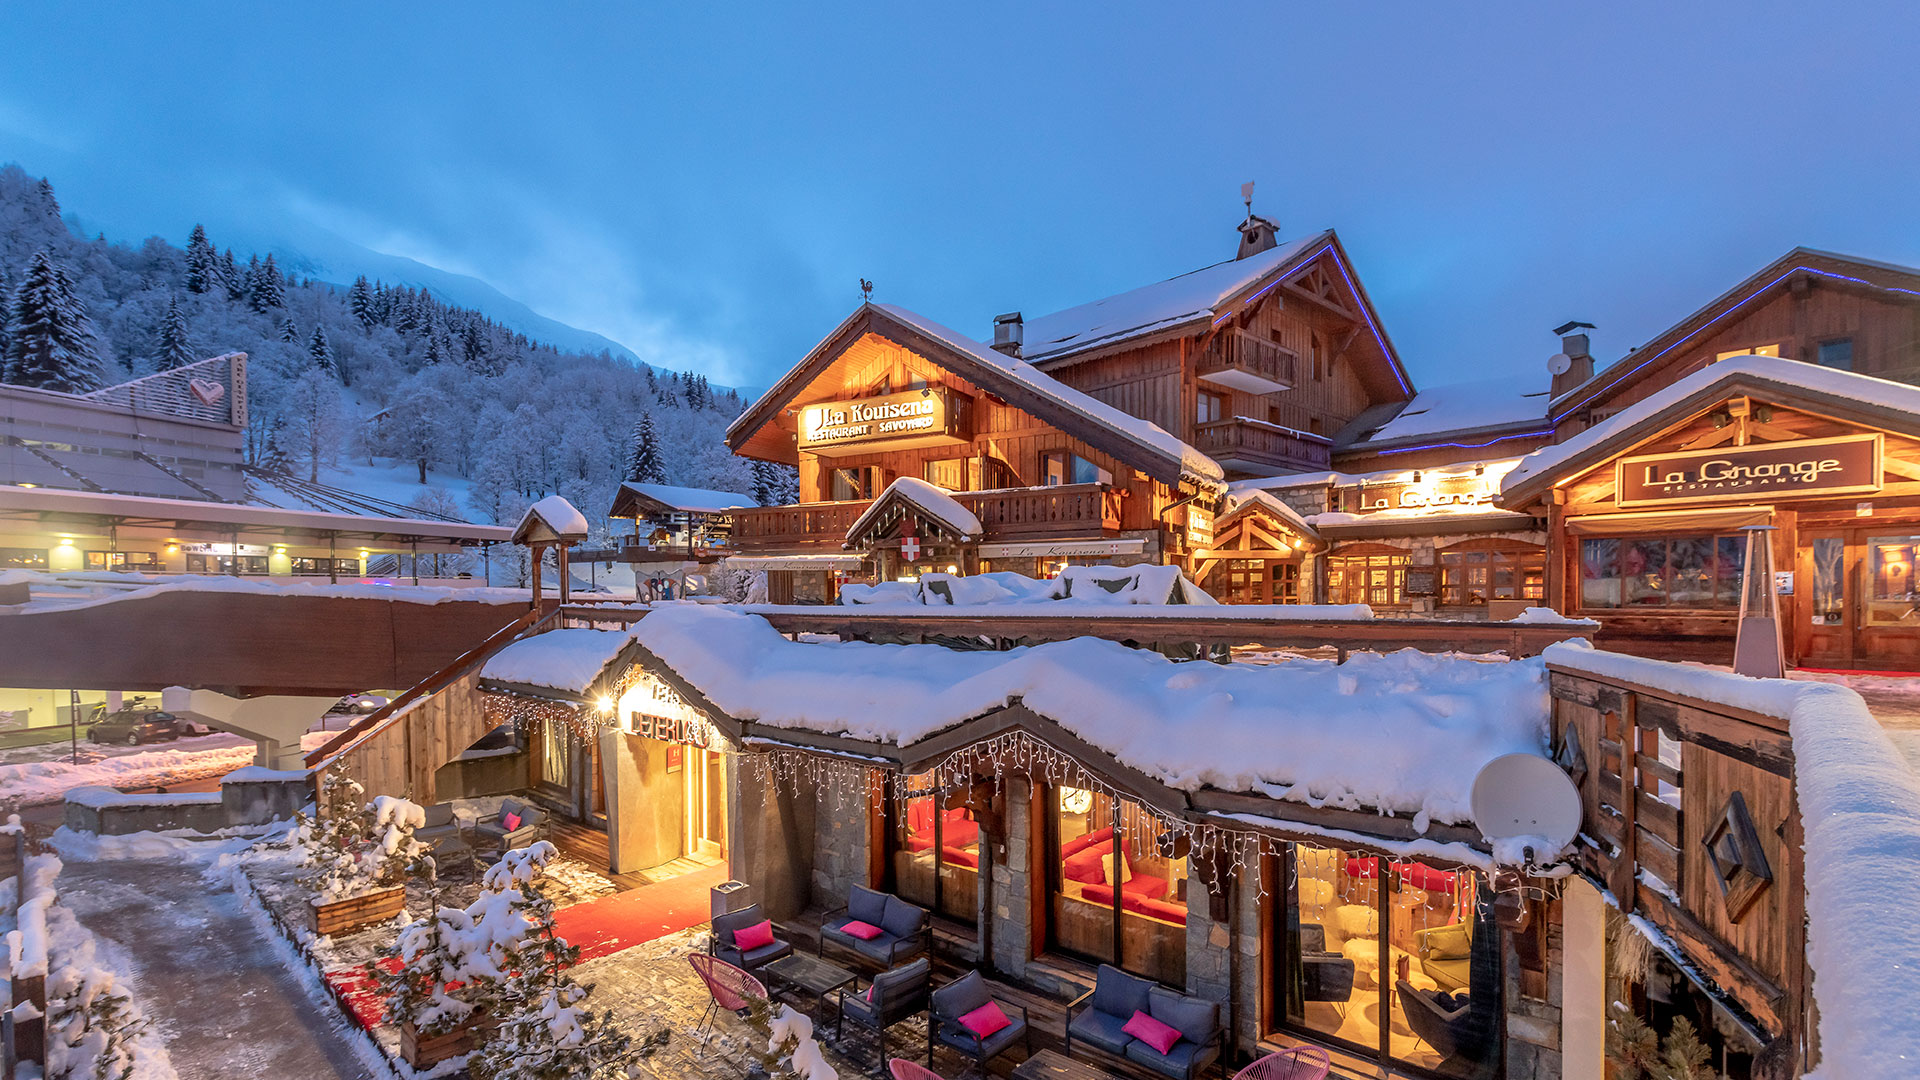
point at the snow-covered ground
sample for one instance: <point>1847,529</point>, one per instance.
<point>43,774</point>
<point>1894,700</point>
<point>394,481</point>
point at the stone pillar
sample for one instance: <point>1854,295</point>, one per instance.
<point>1011,902</point>
<point>841,844</point>
<point>1533,1023</point>
<point>1583,994</point>
<point>772,833</point>
<point>1223,965</point>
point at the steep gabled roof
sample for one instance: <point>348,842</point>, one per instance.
<point>1195,301</point>
<point>1826,391</point>
<point>1887,278</point>
<point>551,519</point>
<point>1141,445</point>
<point>1460,409</point>
<point>932,503</point>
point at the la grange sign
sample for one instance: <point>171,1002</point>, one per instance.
<point>1847,465</point>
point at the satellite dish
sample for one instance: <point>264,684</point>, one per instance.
<point>1559,363</point>
<point>1519,795</point>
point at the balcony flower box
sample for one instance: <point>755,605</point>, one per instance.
<point>353,912</point>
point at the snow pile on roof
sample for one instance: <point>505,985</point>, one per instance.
<point>570,658</point>
<point>1160,306</point>
<point>693,500</point>
<point>1196,467</point>
<point>1403,732</point>
<point>1860,805</point>
<point>933,501</point>
<point>1464,406</point>
<point>68,591</point>
<point>1793,374</point>
<point>1489,469</point>
<point>1077,586</point>
<point>557,514</point>
<point>1237,500</point>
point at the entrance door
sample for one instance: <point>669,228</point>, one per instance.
<point>1889,599</point>
<point>706,813</point>
<point>1827,568</point>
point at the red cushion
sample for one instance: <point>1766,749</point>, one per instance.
<point>1145,886</point>
<point>1098,893</point>
<point>1084,841</point>
<point>749,938</point>
<point>865,931</point>
<point>1159,909</point>
<point>920,815</point>
<point>954,856</point>
<point>988,1018</point>
<point>920,843</point>
<point>959,813</point>
<point>1422,876</point>
<point>509,822</point>
<point>1151,1031</point>
<point>1089,866</point>
<point>959,833</point>
<point>1368,867</point>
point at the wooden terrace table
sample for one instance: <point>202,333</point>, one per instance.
<point>1053,1065</point>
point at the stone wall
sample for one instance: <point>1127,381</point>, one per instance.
<point>1533,1023</point>
<point>1011,902</point>
<point>772,841</point>
<point>841,844</point>
<point>1224,966</point>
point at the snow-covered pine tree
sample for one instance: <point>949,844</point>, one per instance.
<point>50,340</point>
<point>762,484</point>
<point>274,454</point>
<point>232,277</point>
<point>320,352</point>
<point>433,354</point>
<point>360,301</point>
<point>288,331</point>
<point>92,1027</point>
<point>175,348</point>
<point>643,461</point>
<point>49,205</point>
<point>265,290</point>
<point>203,265</point>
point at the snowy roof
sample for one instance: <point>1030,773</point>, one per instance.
<point>686,499</point>
<point>1757,372</point>
<point>932,501</point>
<point>557,516</point>
<point>1491,468</point>
<point>1195,466</point>
<point>1404,732</point>
<point>108,505</point>
<point>1238,500</point>
<point>72,590</point>
<point>1464,406</point>
<point>569,659</point>
<point>1164,305</point>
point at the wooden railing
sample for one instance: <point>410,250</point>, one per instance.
<point>1249,356</point>
<point>1066,511</point>
<point>1659,773</point>
<point>1242,440</point>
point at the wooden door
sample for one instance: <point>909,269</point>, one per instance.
<point>1886,596</point>
<point>1825,606</point>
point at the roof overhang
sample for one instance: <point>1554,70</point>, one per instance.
<point>101,507</point>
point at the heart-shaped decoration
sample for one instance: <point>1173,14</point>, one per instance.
<point>209,393</point>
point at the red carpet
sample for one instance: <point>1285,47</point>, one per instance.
<point>599,927</point>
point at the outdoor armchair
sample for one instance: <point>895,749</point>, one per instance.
<point>1098,1019</point>
<point>893,996</point>
<point>493,832</point>
<point>957,999</point>
<point>721,943</point>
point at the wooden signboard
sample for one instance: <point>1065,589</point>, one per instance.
<point>1849,464</point>
<point>1422,580</point>
<point>925,417</point>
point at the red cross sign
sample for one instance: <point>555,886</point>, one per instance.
<point>910,548</point>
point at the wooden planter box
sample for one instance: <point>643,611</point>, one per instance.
<point>424,1051</point>
<point>339,916</point>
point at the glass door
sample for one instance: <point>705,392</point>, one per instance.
<point>1889,605</point>
<point>1825,608</point>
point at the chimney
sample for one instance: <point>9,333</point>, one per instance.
<point>1008,332</point>
<point>1573,364</point>
<point>1257,234</point>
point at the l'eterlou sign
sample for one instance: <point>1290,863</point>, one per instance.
<point>1849,464</point>
<point>660,713</point>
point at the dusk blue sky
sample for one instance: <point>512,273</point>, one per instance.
<point>706,184</point>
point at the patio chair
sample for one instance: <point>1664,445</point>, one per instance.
<point>903,1069</point>
<point>892,997</point>
<point>1295,1063</point>
<point>721,942</point>
<point>440,825</point>
<point>1442,1021</point>
<point>494,832</point>
<point>957,999</point>
<point>729,987</point>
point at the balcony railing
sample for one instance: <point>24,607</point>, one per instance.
<point>1246,363</point>
<point>1069,511</point>
<point>1246,445</point>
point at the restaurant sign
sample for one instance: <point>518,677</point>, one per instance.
<point>915,417</point>
<point>1846,465</point>
<point>656,711</point>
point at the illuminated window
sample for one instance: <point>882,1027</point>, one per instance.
<point>1661,571</point>
<point>1475,577</point>
<point>23,558</point>
<point>1755,350</point>
<point>1367,579</point>
<point>1064,468</point>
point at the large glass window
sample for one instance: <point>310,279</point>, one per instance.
<point>849,484</point>
<point>23,558</point>
<point>250,565</point>
<point>556,751</point>
<point>1892,599</point>
<point>1064,468</point>
<point>1116,896</point>
<point>1361,937</point>
<point>1475,577</point>
<point>1367,579</point>
<point>936,850</point>
<point>123,560</point>
<point>1253,581</point>
<point>1695,572</point>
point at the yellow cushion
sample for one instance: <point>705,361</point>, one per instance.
<point>1445,942</point>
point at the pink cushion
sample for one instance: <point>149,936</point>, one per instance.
<point>509,822</point>
<point>1151,1031</point>
<point>868,996</point>
<point>988,1018</point>
<point>757,936</point>
<point>865,931</point>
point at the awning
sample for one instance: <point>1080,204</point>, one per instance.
<point>1045,548</point>
<point>1669,521</point>
<point>795,562</point>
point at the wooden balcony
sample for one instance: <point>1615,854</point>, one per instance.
<point>1071,511</point>
<point>1256,448</point>
<point>641,553</point>
<point>1246,363</point>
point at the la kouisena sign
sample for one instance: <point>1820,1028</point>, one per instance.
<point>915,417</point>
<point>1846,465</point>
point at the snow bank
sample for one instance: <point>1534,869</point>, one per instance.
<point>72,591</point>
<point>34,782</point>
<point>570,658</point>
<point>1403,732</point>
<point>1546,616</point>
<point>101,798</point>
<point>935,502</point>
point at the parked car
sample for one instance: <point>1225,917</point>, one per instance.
<point>136,726</point>
<point>359,703</point>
